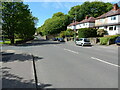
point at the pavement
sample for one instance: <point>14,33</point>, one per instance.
<point>17,70</point>
<point>62,65</point>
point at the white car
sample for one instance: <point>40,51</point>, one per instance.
<point>82,41</point>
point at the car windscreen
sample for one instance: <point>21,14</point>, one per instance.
<point>118,39</point>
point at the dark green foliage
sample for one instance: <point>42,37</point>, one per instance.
<point>17,21</point>
<point>54,25</point>
<point>67,33</point>
<point>104,40</point>
<point>108,40</point>
<point>94,9</point>
<point>58,14</point>
<point>87,32</point>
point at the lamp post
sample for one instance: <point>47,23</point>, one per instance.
<point>75,27</point>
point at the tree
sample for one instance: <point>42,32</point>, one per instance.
<point>69,32</point>
<point>17,21</point>
<point>75,13</point>
<point>54,25</point>
<point>87,32</point>
<point>101,32</point>
<point>58,14</point>
<point>94,9</point>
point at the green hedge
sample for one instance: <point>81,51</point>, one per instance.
<point>104,40</point>
<point>87,32</point>
<point>108,40</point>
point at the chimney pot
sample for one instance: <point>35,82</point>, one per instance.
<point>115,7</point>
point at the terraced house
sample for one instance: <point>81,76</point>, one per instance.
<point>109,21</point>
<point>88,22</point>
<point>72,25</point>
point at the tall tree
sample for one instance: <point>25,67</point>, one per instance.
<point>55,25</point>
<point>17,20</point>
<point>94,9</point>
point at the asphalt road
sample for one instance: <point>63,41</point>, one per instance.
<point>65,65</point>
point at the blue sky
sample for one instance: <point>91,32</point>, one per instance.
<point>45,10</point>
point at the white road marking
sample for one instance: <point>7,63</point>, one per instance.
<point>93,58</point>
<point>105,62</point>
<point>71,51</point>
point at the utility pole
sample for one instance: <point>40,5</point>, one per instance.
<point>75,26</point>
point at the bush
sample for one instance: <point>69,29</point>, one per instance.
<point>101,32</point>
<point>87,32</point>
<point>62,34</point>
<point>104,40</point>
<point>67,33</point>
<point>107,40</point>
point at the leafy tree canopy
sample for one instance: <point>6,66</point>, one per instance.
<point>58,14</point>
<point>94,9</point>
<point>17,21</point>
<point>54,25</point>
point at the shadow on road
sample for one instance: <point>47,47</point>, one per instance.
<point>11,81</point>
<point>9,57</point>
<point>39,42</point>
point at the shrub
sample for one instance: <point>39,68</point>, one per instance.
<point>62,34</point>
<point>108,39</point>
<point>101,32</point>
<point>67,33</point>
<point>87,32</point>
<point>104,40</point>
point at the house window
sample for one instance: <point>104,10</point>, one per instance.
<point>113,18</point>
<point>110,28</point>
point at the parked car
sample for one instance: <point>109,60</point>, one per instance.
<point>61,40</point>
<point>54,39</point>
<point>117,41</point>
<point>82,41</point>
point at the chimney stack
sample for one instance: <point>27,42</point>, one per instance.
<point>115,7</point>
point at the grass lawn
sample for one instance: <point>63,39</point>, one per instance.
<point>8,41</point>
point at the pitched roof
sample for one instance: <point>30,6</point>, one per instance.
<point>90,19</point>
<point>114,11</point>
<point>73,23</point>
<point>110,13</point>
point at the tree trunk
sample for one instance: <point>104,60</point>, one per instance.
<point>12,39</point>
